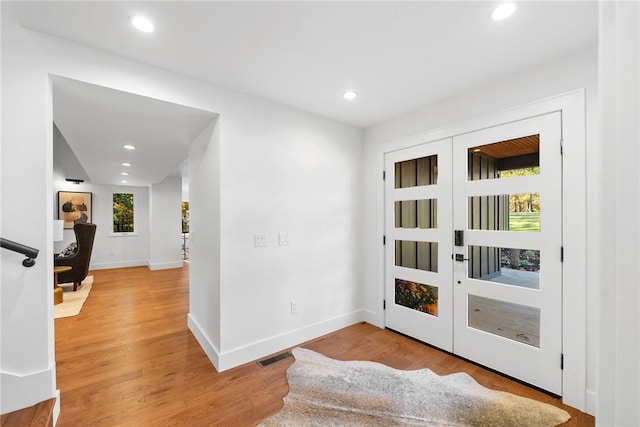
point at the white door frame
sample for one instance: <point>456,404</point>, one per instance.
<point>574,308</point>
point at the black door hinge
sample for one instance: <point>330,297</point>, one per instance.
<point>561,253</point>
<point>561,146</point>
<point>384,175</point>
<point>561,360</point>
<point>384,239</point>
<point>384,304</point>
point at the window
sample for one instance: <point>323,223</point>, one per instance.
<point>123,213</point>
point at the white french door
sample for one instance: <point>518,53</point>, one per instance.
<point>418,247</point>
<point>497,283</point>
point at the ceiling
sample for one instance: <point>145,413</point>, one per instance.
<point>398,56</point>
<point>97,122</point>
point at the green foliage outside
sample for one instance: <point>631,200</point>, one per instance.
<point>185,217</point>
<point>524,221</point>
<point>122,212</point>
<point>417,296</point>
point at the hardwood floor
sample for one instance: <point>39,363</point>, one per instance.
<point>128,359</point>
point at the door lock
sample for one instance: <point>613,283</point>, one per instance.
<point>458,237</point>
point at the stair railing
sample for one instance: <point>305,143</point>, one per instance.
<point>29,252</point>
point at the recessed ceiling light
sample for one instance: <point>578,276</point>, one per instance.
<point>350,94</point>
<point>503,11</point>
<point>124,181</point>
<point>129,147</point>
<point>142,24</point>
<point>126,164</point>
<point>124,173</point>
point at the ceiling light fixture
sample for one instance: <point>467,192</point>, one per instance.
<point>124,173</point>
<point>142,24</point>
<point>129,147</point>
<point>126,164</point>
<point>350,94</point>
<point>124,181</point>
<point>503,11</point>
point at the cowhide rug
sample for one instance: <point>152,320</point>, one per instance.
<point>327,392</point>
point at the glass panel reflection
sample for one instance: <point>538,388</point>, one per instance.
<point>417,255</point>
<point>518,267</point>
<point>416,172</point>
<point>417,296</point>
<point>508,212</point>
<point>514,157</point>
<point>513,321</point>
<point>416,213</point>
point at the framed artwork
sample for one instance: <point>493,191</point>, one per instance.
<point>74,207</point>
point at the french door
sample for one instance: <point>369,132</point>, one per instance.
<point>418,247</point>
<point>498,281</point>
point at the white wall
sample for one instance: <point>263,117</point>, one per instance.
<point>618,233</point>
<point>562,75</point>
<point>165,220</point>
<point>279,170</point>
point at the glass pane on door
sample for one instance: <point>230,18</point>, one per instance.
<point>505,212</point>
<point>513,321</point>
<point>511,266</point>
<point>513,157</point>
<point>417,255</point>
<point>416,172</point>
<point>416,213</point>
<point>417,296</point>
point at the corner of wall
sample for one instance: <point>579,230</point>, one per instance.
<point>207,345</point>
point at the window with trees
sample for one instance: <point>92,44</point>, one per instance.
<point>123,213</point>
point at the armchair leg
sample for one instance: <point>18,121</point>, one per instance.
<point>75,286</point>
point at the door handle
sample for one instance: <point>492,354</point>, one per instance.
<point>460,258</point>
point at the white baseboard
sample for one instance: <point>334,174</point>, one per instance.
<point>164,265</point>
<point>20,391</point>
<point>56,408</point>
<point>274,344</point>
<point>254,351</point>
<point>372,318</point>
<point>209,348</point>
<point>118,264</point>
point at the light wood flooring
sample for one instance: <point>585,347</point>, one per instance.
<point>128,359</point>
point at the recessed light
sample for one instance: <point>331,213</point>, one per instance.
<point>503,11</point>
<point>142,24</point>
<point>124,181</point>
<point>124,173</point>
<point>129,147</point>
<point>126,164</point>
<point>350,94</point>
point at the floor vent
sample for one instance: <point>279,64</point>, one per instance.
<point>273,359</point>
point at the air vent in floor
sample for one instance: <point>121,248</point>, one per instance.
<point>273,359</point>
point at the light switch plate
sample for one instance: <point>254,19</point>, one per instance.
<point>260,240</point>
<point>283,238</point>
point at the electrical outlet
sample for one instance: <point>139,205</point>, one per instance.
<point>294,307</point>
<point>260,240</point>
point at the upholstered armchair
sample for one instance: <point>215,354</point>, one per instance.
<point>78,261</point>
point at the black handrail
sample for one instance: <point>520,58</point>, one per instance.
<point>29,252</point>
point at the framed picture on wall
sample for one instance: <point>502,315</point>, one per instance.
<point>74,207</point>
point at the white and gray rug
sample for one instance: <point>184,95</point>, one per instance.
<point>327,392</point>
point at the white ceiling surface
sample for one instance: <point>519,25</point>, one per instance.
<point>398,56</point>
<point>97,122</point>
